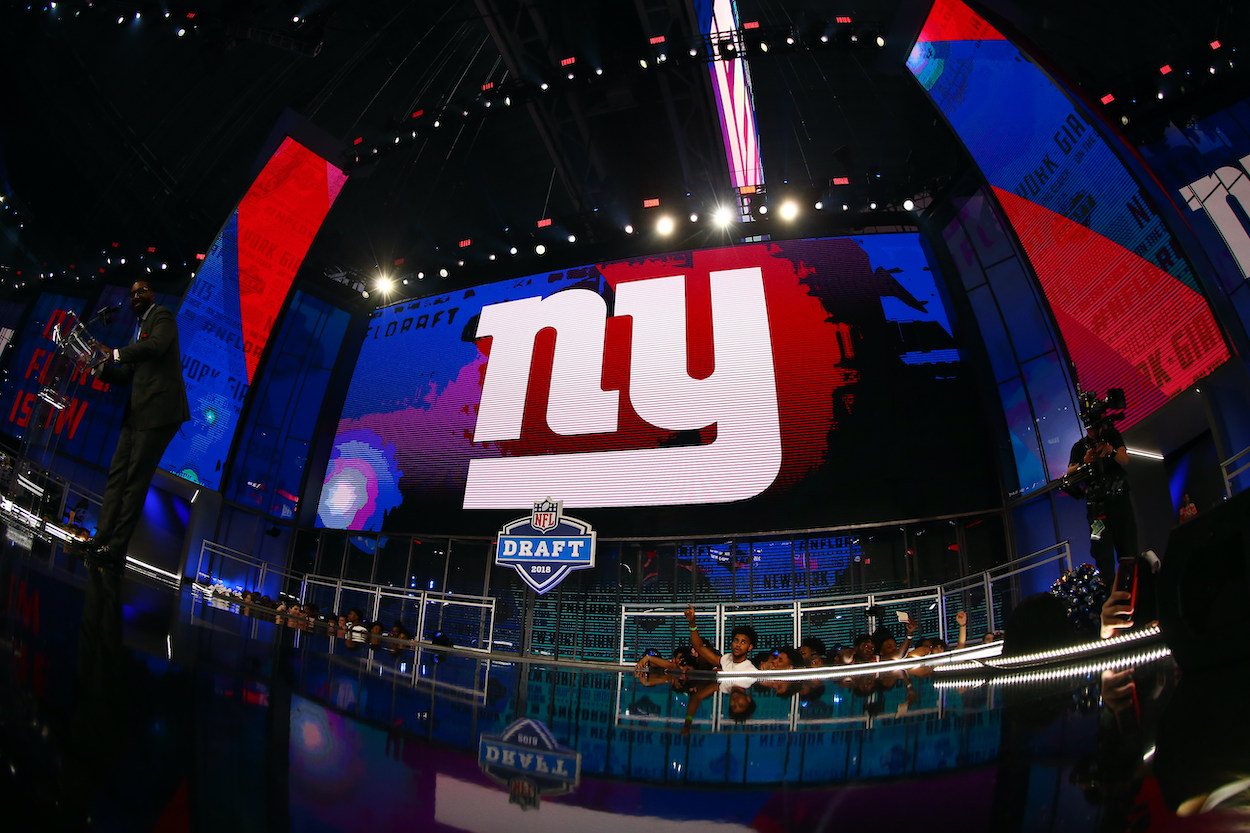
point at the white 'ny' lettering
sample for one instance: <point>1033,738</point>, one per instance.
<point>739,398</point>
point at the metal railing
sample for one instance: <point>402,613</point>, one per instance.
<point>469,621</point>
<point>1230,473</point>
<point>988,594</point>
<point>221,565</point>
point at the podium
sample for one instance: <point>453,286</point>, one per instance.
<point>31,503</point>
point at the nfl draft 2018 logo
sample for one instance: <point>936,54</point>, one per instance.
<point>546,546</point>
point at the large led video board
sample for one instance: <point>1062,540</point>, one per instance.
<point>1125,299</point>
<point>783,385</point>
<point>1205,165</point>
<point>230,308</point>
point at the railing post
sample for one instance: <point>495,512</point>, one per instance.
<point>989,602</point>
<point>490,633</point>
<point>621,653</point>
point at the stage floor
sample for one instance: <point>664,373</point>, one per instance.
<point>144,708</point>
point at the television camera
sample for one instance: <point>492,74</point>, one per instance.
<point>1097,415</point>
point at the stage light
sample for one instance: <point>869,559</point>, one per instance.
<point>544,86</point>
<point>1160,95</point>
<point>642,62</point>
<point>694,218</point>
<point>819,205</point>
<point>721,216</point>
<point>1108,98</point>
<point>664,225</point>
<point>789,210</point>
<point>384,284</point>
<point>512,251</point>
<point>491,257</point>
<point>880,41</point>
<point>442,273</point>
<point>420,276</point>
<point>872,205</point>
<point>540,249</point>
<point>908,205</point>
<point>763,209</point>
<point>181,32</point>
<point>629,229</point>
<point>825,38</point>
<point>572,238</point>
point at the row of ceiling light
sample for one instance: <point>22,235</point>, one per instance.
<point>663,225</point>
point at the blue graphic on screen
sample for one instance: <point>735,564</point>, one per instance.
<point>1049,135</point>
<point>213,364</point>
<point>1123,295</point>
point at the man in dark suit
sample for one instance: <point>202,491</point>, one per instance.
<point>157,407</point>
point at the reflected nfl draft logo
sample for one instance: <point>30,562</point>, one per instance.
<point>527,760</point>
<point>546,546</point>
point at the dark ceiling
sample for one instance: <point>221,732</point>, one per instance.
<point>118,130</point>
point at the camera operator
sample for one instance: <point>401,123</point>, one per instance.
<point>1097,461</point>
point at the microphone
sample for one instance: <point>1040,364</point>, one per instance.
<point>106,314</point>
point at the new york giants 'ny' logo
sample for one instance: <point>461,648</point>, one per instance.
<point>1211,194</point>
<point>739,397</point>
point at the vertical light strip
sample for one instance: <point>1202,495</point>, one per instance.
<point>731,82</point>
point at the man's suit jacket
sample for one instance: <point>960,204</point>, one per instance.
<point>152,366</point>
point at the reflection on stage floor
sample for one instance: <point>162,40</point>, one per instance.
<point>203,713</point>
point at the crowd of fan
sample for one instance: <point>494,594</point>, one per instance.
<point>882,645</point>
<point>350,626</point>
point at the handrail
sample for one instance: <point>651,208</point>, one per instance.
<point>935,596</point>
<point>1229,475</point>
